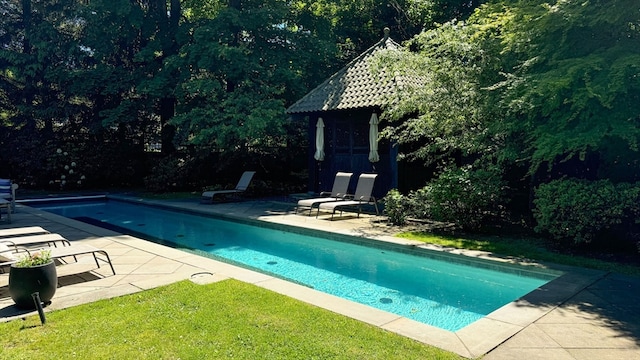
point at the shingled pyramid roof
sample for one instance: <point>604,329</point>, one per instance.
<point>354,86</point>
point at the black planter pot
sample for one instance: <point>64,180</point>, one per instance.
<point>24,281</point>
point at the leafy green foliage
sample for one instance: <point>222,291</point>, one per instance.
<point>66,169</point>
<point>395,206</point>
<point>440,114</point>
<point>469,198</point>
<point>581,211</point>
<point>172,173</point>
<point>550,87</point>
<point>576,88</point>
<point>233,91</point>
<point>36,258</point>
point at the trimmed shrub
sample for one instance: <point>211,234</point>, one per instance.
<point>419,203</point>
<point>579,211</point>
<point>395,206</point>
<point>466,197</point>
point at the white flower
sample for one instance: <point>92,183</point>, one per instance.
<point>70,171</point>
<point>59,151</point>
<point>73,164</point>
<point>51,182</point>
<point>66,153</point>
<point>63,182</point>
<point>66,167</point>
<point>79,182</point>
<point>82,177</point>
<point>63,177</point>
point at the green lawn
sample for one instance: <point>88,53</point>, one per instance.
<point>225,320</point>
<point>522,247</point>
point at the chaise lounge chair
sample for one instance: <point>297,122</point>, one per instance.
<point>7,197</point>
<point>364,188</point>
<point>42,239</point>
<point>338,192</point>
<point>242,185</point>
<point>22,231</point>
<point>10,255</point>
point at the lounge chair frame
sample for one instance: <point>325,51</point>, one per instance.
<point>243,184</point>
<point>7,197</point>
<point>338,192</point>
<point>362,196</point>
<point>82,249</point>
<point>59,253</point>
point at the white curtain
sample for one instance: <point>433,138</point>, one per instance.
<point>319,155</point>
<point>373,139</point>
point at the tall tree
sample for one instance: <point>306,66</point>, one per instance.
<point>238,71</point>
<point>38,46</point>
<point>547,82</point>
<point>575,93</point>
<point>441,117</point>
<point>548,91</point>
<point>163,82</point>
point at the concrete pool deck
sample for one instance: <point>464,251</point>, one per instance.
<point>584,314</point>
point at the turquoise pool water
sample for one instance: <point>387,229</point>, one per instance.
<point>445,294</point>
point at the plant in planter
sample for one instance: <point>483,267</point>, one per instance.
<point>35,272</point>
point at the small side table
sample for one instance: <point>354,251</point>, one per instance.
<point>6,204</point>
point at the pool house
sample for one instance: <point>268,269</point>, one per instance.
<point>344,115</point>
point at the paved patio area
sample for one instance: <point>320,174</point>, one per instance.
<point>584,314</point>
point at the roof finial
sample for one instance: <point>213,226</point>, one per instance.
<point>386,33</point>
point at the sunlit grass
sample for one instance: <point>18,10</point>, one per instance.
<point>224,320</point>
<point>521,247</point>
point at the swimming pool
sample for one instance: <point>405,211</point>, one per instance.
<point>442,293</point>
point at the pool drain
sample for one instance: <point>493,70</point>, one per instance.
<point>386,300</point>
<point>272,263</point>
<point>202,278</point>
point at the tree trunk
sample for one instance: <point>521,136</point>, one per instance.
<point>167,110</point>
<point>26,21</point>
<point>167,30</point>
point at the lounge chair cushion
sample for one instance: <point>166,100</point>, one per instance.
<point>5,189</point>
<point>21,231</point>
<point>42,239</point>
